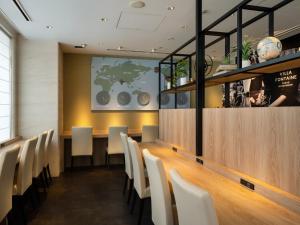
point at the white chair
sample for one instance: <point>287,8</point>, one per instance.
<point>161,203</point>
<point>23,181</point>
<point>128,165</point>
<point>82,143</point>
<point>115,147</point>
<point>8,161</point>
<point>194,205</point>
<point>149,133</point>
<point>142,191</point>
<point>38,162</point>
<point>47,153</point>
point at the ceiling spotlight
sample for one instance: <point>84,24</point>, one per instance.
<point>83,45</point>
<point>171,39</point>
<point>153,50</point>
<point>103,19</point>
<point>137,4</point>
<point>120,48</point>
<point>171,8</point>
<point>204,11</point>
<point>49,27</point>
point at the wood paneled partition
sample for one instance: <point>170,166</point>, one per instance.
<point>261,142</point>
<point>178,127</point>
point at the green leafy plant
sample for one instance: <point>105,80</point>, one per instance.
<point>181,70</point>
<point>226,60</point>
<point>246,49</point>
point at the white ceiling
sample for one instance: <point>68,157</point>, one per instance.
<point>78,21</point>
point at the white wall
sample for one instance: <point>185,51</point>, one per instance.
<point>38,79</point>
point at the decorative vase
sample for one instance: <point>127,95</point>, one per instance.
<point>269,48</point>
<point>183,80</point>
<point>168,86</point>
<point>245,63</point>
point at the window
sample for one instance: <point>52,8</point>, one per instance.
<point>5,87</point>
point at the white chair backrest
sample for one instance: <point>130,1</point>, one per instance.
<point>8,161</point>
<point>194,205</point>
<point>24,176</point>
<point>149,133</point>
<point>82,141</point>
<point>128,162</point>
<point>38,161</point>
<point>114,140</point>
<point>139,180</point>
<point>161,205</point>
<point>48,146</point>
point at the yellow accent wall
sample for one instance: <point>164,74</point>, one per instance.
<point>77,103</point>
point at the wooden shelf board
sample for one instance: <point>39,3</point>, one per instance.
<point>183,88</point>
<point>269,67</point>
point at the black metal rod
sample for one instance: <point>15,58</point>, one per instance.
<point>227,85</point>
<point>239,37</point>
<point>180,48</point>
<point>171,71</point>
<point>257,8</point>
<point>215,33</point>
<point>159,85</point>
<point>271,24</point>
<point>190,68</point>
<point>200,77</point>
<point>226,15</point>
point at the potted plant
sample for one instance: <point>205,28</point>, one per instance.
<point>246,51</point>
<point>181,72</point>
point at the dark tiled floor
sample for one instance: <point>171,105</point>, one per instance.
<point>88,197</point>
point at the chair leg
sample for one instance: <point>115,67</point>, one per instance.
<point>45,177</point>
<point>49,173</point>
<point>125,183</point>
<point>36,190</point>
<point>32,200</point>
<point>108,158</point>
<point>142,202</point>
<point>72,162</point>
<point>18,203</point>
<point>130,190</point>
<point>92,160</point>
<point>135,196</point>
<point>42,180</point>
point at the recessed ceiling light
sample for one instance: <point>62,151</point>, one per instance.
<point>83,45</point>
<point>49,27</point>
<point>171,8</point>
<point>137,4</point>
<point>103,19</point>
<point>120,48</point>
<point>153,50</point>
<point>204,11</point>
<point>171,39</point>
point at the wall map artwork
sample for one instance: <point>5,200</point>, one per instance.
<point>278,89</point>
<point>124,84</point>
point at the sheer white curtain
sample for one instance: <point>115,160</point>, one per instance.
<point>5,87</point>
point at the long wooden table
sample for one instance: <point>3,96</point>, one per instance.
<point>103,134</point>
<point>235,205</point>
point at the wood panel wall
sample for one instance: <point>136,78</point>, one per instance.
<point>261,142</point>
<point>178,127</point>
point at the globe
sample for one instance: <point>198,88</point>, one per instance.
<point>269,48</point>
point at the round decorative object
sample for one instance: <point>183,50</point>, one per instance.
<point>164,99</point>
<point>124,98</point>
<point>103,97</point>
<point>137,4</point>
<point>269,48</point>
<point>182,99</point>
<point>143,98</point>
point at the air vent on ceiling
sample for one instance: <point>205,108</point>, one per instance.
<point>22,10</point>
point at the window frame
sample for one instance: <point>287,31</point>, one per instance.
<point>12,85</point>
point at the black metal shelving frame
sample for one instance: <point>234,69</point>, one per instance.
<point>251,71</point>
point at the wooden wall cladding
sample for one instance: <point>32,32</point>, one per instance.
<point>261,142</point>
<point>178,127</point>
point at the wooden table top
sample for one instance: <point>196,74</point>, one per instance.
<point>235,205</point>
<point>102,134</point>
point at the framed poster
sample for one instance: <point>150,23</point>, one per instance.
<point>124,84</point>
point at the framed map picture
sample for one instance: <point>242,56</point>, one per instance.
<point>124,84</point>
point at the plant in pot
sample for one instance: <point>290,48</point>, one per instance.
<point>246,52</point>
<point>181,72</point>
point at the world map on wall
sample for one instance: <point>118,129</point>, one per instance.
<point>124,84</point>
